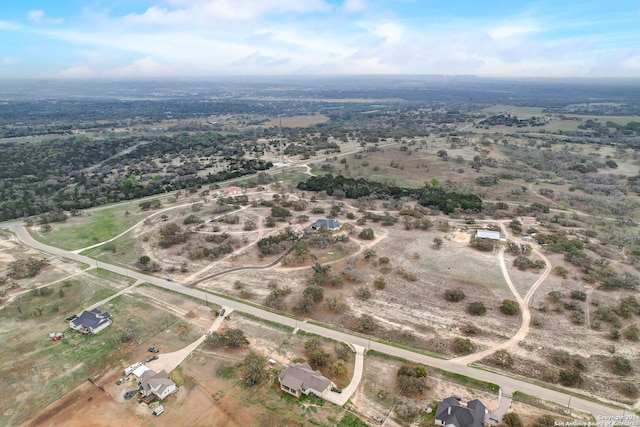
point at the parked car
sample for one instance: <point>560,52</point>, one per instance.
<point>153,350</point>
<point>169,279</point>
<point>336,389</point>
<point>152,358</point>
<point>70,318</point>
<point>222,312</point>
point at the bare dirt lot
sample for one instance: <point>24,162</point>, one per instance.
<point>85,406</point>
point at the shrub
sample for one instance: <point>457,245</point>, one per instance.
<point>578,295</point>
<point>631,333</point>
<point>469,329</point>
<point>365,324</point>
<point>502,358</point>
<point>570,377</point>
<point>629,389</point>
<point>380,283</point>
<point>367,234</point>
<point>454,295</point>
<point>411,379</point>
<point>476,308</point>
<point>511,419</point>
<point>462,345</point>
<point>510,307</point>
<point>363,292</point>
<point>620,366</point>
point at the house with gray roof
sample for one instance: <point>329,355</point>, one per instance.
<point>90,322</point>
<point>329,224</point>
<point>156,383</point>
<point>299,379</point>
<point>451,413</point>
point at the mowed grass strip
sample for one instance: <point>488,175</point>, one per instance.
<point>102,225</point>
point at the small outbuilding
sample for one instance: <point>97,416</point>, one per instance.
<point>488,234</point>
<point>90,321</point>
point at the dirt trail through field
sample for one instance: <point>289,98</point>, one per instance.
<point>523,302</point>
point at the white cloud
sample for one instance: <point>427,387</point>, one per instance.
<point>9,60</point>
<point>140,68</point>
<point>260,60</point>
<point>210,12</point>
<point>38,16</point>
<point>354,5</point>
<point>390,32</point>
<point>512,30</point>
<point>8,26</point>
<point>81,71</point>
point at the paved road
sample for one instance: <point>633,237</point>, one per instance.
<point>503,381</point>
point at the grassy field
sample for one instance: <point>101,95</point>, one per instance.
<point>36,371</point>
<point>119,252</point>
<point>297,121</point>
<point>85,231</point>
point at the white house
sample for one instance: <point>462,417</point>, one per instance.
<point>153,383</point>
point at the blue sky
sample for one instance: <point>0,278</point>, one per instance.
<point>165,38</point>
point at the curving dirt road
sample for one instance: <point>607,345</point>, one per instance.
<point>523,302</point>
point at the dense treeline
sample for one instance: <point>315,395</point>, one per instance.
<point>437,198</point>
<point>78,173</point>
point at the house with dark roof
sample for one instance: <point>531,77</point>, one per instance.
<point>90,322</point>
<point>329,224</point>
<point>299,379</point>
<point>451,413</point>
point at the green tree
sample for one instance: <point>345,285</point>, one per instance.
<point>312,344</point>
<point>367,234</point>
<point>315,292</point>
<point>365,323</point>
<point>502,358</point>
<point>319,357</point>
<point>339,367</point>
<point>380,282</point>
<point>511,419</point>
<point>253,368</point>
<point>510,307</point>
<point>621,365</point>
<point>462,345</point>
<point>214,340</point>
<point>545,421</point>
<point>454,295</point>
<point>411,379</point>
<point>235,338</point>
<point>437,242</point>
<point>279,212</point>
<point>476,308</point>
